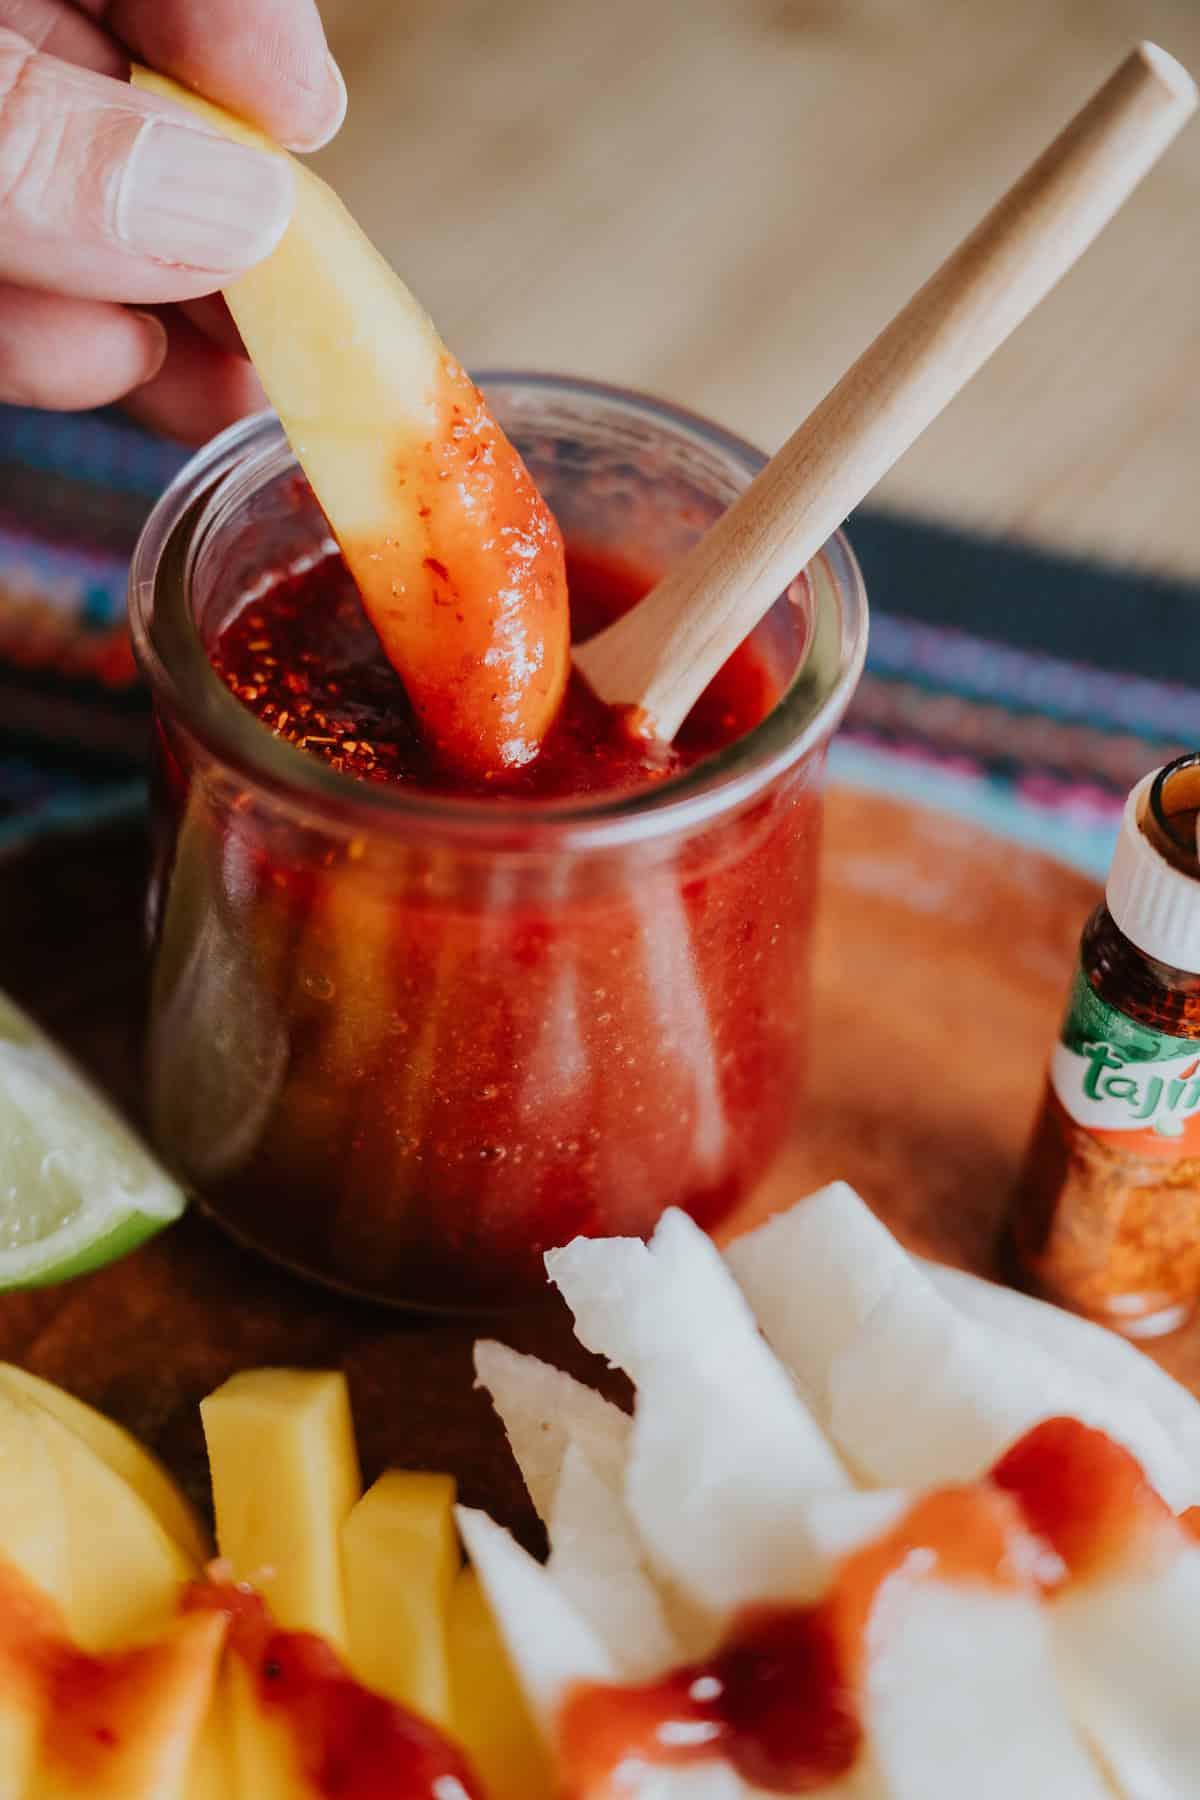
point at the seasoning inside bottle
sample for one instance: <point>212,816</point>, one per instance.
<point>1106,1219</point>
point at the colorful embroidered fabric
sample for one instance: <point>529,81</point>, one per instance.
<point>1024,690</point>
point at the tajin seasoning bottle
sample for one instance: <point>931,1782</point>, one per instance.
<point>1106,1220</point>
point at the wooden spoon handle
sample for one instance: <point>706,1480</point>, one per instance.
<point>662,655</point>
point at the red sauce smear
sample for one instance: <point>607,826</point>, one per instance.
<point>95,1709</point>
<point>781,1697</point>
<point>1088,1498</point>
<point>351,1743</point>
<point>305,659</point>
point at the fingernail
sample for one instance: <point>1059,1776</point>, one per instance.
<point>189,197</point>
<point>154,334</point>
<point>336,99</point>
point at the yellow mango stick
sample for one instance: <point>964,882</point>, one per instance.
<point>400,1556</point>
<point>491,1720</point>
<point>285,1475</point>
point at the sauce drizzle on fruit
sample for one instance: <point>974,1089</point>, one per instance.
<point>1088,1499</point>
<point>477,621</point>
<point>351,1743</point>
<point>100,1718</point>
<point>781,1698</point>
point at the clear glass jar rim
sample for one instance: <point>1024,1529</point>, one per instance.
<point>189,687</point>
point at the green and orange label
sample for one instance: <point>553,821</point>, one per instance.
<point>1124,1081</point>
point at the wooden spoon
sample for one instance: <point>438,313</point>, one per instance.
<point>661,656</point>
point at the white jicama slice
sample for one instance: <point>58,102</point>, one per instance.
<point>553,1649</point>
<point>812,1275</point>
<point>597,1562</point>
<point>1128,1651</point>
<point>837,1524</point>
<point>864,1331</point>
<point>1077,1343</point>
<point>611,1286</point>
<point>551,1646</point>
<point>702,1781</point>
<point>544,1412</point>
<point>724,1451</point>
<point>961,1698</point>
<point>1124,1618</point>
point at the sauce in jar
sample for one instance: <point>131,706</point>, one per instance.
<point>305,659</point>
<point>455,1061</point>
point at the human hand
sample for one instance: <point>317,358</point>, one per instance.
<point>113,201</point>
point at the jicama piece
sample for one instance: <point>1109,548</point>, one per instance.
<point>1077,1344</point>
<point>864,1332</point>
<point>724,1450</point>
<point>551,1646</point>
<point>1125,1617</point>
<point>544,1411</point>
<point>597,1561</point>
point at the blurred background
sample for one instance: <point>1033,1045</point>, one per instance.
<point>721,201</point>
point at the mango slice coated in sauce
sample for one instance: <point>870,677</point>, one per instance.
<point>457,558</point>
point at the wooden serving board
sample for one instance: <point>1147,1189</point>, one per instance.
<point>941,968</point>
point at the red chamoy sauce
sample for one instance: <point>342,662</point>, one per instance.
<point>305,659</point>
<point>782,1697</point>
<point>351,1744</point>
<point>437,1064</point>
<point>1088,1499</point>
<point>103,1718</point>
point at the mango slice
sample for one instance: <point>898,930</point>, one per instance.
<point>118,1727</point>
<point>126,1728</point>
<point>491,1719</point>
<point>265,1762</point>
<point>122,1452</point>
<point>33,1518</point>
<point>400,1557</point>
<point>211,1768</point>
<point>458,560</point>
<point>285,1475</point>
<point>27,1617</point>
<point>125,1573</point>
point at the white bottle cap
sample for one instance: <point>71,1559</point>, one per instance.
<point>1153,904</point>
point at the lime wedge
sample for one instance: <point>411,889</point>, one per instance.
<point>77,1186</point>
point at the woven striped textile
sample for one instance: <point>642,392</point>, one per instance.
<point>1021,689</point>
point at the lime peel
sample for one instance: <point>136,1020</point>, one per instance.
<point>78,1188</point>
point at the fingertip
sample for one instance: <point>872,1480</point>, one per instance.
<point>331,112</point>
<point>188,198</point>
<point>63,354</point>
<point>199,389</point>
<point>154,340</point>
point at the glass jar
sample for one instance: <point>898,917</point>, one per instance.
<point>405,1044</point>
